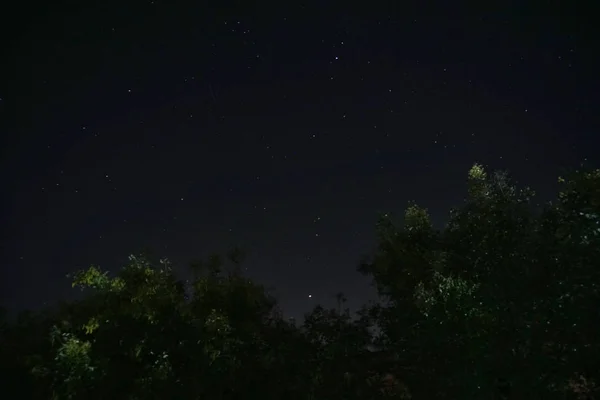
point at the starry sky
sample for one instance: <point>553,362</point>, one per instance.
<point>188,129</point>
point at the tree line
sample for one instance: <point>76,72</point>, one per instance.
<point>502,303</point>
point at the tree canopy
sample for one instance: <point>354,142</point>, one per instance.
<point>501,303</point>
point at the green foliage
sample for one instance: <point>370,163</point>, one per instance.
<point>502,300</point>
<point>93,277</point>
<point>416,219</point>
<point>454,294</point>
<point>500,303</point>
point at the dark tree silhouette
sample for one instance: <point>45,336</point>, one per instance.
<point>502,303</point>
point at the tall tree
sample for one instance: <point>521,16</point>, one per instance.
<point>141,335</point>
<point>499,303</point>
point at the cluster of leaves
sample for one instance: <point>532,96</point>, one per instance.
<point>143,334</point>
<point>501,303</point>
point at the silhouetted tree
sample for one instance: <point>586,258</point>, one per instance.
<point>501,302</point>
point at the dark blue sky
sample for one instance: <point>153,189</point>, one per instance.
<point>285,131</point>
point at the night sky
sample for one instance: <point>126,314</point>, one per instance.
<point>188,130</point>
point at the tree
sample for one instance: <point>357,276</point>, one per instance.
<point>342,363</point>
<point>341,299</point>
<point>144,334</point>
<point>24,345</point>
<point>140,334</point>
<point>499,303</point>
